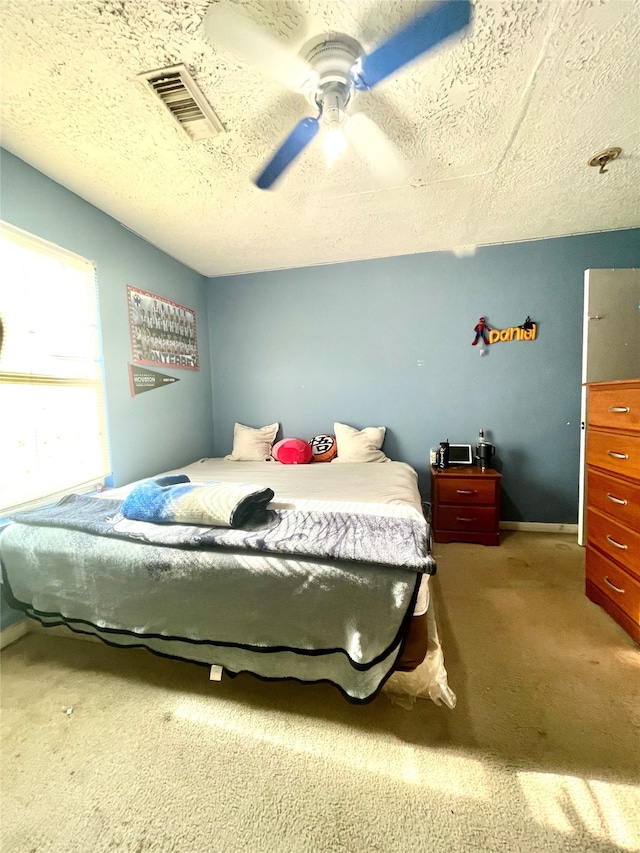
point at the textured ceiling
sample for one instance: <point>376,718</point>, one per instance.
<point>496,128</point>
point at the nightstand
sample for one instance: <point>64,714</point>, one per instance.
<point>465,503</point>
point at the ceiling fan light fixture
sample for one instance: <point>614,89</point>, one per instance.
<point>334,144</point>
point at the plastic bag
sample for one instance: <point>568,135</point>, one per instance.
<point>427,681</point>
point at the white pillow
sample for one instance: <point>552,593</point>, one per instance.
<point>252,445</point>
<point>359,445</point>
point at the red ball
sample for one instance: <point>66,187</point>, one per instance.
<point>292,451</point>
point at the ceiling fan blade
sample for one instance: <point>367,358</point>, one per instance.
<point>294,144</point>
<point>420,35</point>
<point>235,32</point>
<point>377,149</point>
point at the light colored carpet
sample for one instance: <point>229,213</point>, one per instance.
<point>542,752</point>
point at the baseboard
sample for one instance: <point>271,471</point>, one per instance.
<point>539,527</point>
<point>14,632</point>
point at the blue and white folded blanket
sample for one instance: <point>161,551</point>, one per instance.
<point>174,499</point>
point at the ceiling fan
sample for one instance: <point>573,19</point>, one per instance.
<point>329,71</point>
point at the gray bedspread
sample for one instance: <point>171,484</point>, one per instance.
<point>310,532</point>
<point>311,595</point>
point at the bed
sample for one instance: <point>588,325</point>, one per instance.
<point>331,583</point>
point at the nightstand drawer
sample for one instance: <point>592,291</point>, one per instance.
<point>618,542</point>
<point>615,408</point>
<point>616,498</point>
<point>461,491</point>
<point>615,583</point>
<point>619,454</point>
<point>467,518</point>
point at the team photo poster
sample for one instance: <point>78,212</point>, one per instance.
<point>163,333</point>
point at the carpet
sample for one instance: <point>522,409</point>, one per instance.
<point>118,750</point>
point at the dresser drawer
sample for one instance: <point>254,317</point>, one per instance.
<point>462,491</point>
<point>615,540</point>
<point>619,454</point>
<point>615,583</point>
<point>614,407</point>
<point>616,498</point>
<point>469,518</point>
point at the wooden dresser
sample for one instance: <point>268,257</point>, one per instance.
<point>465,505</point>
<point>613,501</point>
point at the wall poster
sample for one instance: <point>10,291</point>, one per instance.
<point>163,333</point>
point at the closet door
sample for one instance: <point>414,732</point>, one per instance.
<point>610,343</point>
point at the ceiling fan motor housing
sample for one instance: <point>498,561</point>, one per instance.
<point>332,57</point>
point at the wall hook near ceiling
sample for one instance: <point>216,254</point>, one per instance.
<point>603,157</point>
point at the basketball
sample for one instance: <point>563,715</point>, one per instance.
<point>323,447</point>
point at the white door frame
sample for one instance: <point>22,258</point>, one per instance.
<point>582,493</point>
<point>619,367</point>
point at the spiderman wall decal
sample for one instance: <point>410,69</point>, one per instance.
<point>482,332</point>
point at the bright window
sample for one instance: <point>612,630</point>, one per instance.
<point>53,430</point>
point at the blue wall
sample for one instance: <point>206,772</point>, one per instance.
<point>157,430</point>
<point>308,347</point>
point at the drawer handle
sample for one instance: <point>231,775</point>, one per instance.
<point>619,410</point>
<point>466,491</point>
<point>615,500</point>
<point>459,518</point>
<point>617,455</point>
<point>613,586</point>
<point>617,544</point>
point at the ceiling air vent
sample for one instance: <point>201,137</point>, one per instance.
<point>177,90</point>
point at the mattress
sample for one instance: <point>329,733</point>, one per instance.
<point>274,615</point>
<point>392,483</point>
